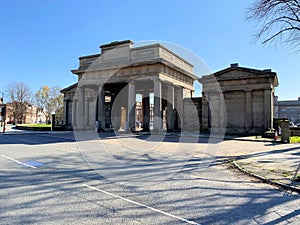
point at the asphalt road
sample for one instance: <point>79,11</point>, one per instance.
<point>66,178</point>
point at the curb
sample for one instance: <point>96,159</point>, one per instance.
<point>31,132</point>
<point>265,180</point>
<point>181,134</point>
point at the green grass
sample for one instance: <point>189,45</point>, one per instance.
<point>295,139</point>
<point>34,125</point>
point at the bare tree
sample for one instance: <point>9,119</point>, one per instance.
<point>58,102</point>
<point>278,20</point>
<point>19,97</point>
<point>50,100</point>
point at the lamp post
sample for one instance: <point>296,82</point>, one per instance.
<point>3,113</point>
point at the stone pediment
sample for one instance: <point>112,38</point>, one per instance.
<point>239,73</point>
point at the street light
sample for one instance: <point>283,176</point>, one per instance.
<point>3,112</point>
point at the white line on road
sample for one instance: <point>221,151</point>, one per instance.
<point>140,204</point>
<point>24,164</point>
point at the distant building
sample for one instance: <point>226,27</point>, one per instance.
<point>288,109</point>
<point>32,115</point>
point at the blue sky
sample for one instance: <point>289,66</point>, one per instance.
<point>41,41</point>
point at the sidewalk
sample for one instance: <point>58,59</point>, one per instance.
<point>274,163</point>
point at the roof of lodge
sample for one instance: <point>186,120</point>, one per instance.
<point>69,88</point>
<point>235,67</point>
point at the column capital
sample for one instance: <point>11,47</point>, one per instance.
<point>101,86</point>
<point>156,79</point>
<point>130,81</point>
<point>248,89</point>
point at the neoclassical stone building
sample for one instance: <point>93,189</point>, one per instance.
<point>153,87</point>
<point>109,82</point>
<point>238,99</point>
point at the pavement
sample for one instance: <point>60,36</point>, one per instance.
<point>277,165</point>
<point>266,159</point>
<point>86,178</point>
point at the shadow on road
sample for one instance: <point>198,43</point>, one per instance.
<point>54,192</point>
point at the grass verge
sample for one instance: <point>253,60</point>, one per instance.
<point>34,125</point>
<point>294,139</point>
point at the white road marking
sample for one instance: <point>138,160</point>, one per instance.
<point>140,204</point>
<point>24,164</point>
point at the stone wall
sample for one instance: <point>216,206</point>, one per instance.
<point>192,114</point>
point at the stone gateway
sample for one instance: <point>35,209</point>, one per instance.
<point>110,83</point>
<point>145,88</point>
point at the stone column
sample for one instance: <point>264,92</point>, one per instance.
<point>131,107</point>
<point>205,112</point>
<point>81,108</point>
<point>272,110</point>
<point>170,108</point>
<point>222,111</point>
<point>249,111</point>
<point>146,111</point>
<point>268,109</point>
<point>74,113</point>
<point>66,108</point>
<point>214,105</point>
<point>112,113</point>
<point>179,107</point>
<point>101,107</point>
<point>157,125</point>
<point>86,113</point>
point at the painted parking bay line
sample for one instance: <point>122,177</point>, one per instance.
<point>17,161</point>
<point>140,204</point>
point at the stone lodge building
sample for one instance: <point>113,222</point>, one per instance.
<point>235,100</point>
<point>239,100</point>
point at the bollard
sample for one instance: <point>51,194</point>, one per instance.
<point>285,131</point>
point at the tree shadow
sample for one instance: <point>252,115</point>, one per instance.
<point>197,189</point>
<point>53,193</point>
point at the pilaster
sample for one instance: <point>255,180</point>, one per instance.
<point>170,107</point>
<point>101,107</point>
<point>249,111</point>
<point>131,106</point>
<point>157,106</point>
<point>268,108</point>
<point>146,110</point>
